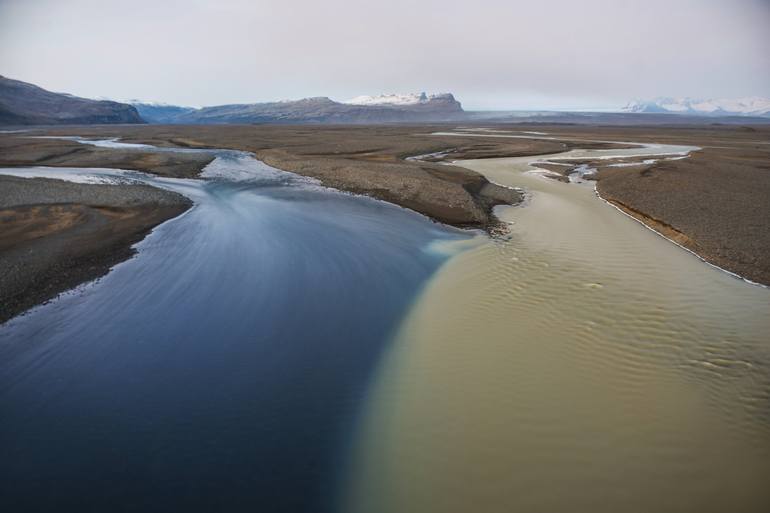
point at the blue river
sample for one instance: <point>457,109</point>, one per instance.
<point>223,367</point>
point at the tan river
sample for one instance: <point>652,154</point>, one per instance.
<point>585,365</point>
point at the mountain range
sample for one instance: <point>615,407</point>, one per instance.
<point>22,103</point>
<point>750,106</point>
<point>383,109</point>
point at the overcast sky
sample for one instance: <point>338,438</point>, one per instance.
<point>492,54</point>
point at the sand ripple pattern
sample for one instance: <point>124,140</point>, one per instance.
<point>584,364</point>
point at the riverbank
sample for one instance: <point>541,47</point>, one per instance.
<point>363,160</point>
<point>73,241</point>
<point>28,149</point>
<point>715,203</point>
<point>57,235</point>
<point>719,197</point>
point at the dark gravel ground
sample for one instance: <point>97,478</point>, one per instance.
<point>716,202</point>
<point>56,235</point>
<point>22,150</point>
<point>719,198</point>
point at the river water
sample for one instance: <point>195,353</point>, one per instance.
<point>223,367</point>
<point>585,365</point>
<point>283,347</point>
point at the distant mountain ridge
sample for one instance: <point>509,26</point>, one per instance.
<point>749,106</point>
<point>360,110</point>
<point>22,103</point>
<point>153,112</point>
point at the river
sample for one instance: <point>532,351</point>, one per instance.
<point>284,347</point>
<point>223,367</point>
<point>586,364</point>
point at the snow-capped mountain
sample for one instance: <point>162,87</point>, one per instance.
<point>398,99</point>
<point>750,106</point>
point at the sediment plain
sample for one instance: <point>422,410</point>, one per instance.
<point>716,202</point>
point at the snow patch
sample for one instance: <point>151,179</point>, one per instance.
<point>395,99</point>
<point>748,106</point>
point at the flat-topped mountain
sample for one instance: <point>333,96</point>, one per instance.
<point>22,103</point>
<point>383,109</point>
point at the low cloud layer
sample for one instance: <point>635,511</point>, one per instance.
<point>490,53</point>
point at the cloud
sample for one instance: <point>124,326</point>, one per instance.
<point>491,53</point>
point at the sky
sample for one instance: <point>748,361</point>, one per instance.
<point>492,54</point>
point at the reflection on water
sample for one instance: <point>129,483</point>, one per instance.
<point>586,364</point>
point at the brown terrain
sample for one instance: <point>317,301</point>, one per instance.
<point>19,149</point>
<point>717,202</point>
<point>57,235</point>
